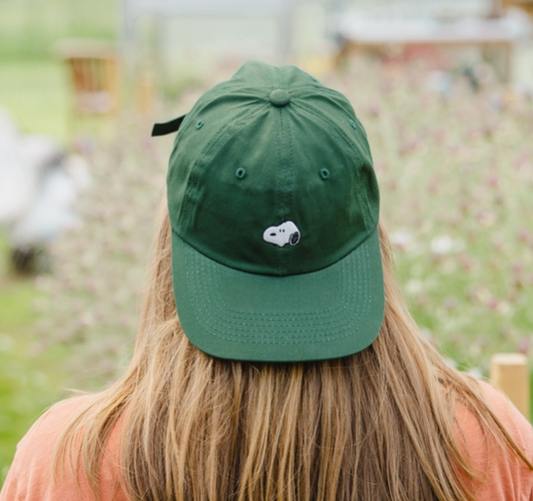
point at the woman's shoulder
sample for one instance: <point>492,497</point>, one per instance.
<point>516,424</point>
<point>30,475</point>
<point>51,424</point>
<point>504,475</point>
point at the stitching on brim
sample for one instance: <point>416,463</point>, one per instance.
<point>327,313</point>
<point>268,339</point>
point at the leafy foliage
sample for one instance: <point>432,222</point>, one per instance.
<point>456,173</point>
<point>455,167</point>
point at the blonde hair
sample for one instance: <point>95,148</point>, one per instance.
<point>375,425</point>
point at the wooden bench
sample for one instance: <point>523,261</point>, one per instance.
<point>510,373</point>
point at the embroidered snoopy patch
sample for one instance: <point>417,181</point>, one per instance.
<point>285,233</point>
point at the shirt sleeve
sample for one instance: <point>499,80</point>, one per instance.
<point>504,476</point>
<point>30,475</point>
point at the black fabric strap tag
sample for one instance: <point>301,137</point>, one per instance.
<point>167,127</point>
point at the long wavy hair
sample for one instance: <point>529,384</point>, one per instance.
<point>377,425</point>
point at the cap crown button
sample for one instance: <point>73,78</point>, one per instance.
<point>279,98</point>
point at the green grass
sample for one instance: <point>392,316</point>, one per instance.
<point>34,89</point>
<point>28,382</point>
<point>36,94</point>
<point>29,29</point>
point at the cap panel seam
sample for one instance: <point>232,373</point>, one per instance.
<point>289,173</point>
<point>322,89</point>
<point>347,140</point>
<point>284,166</point>
<point>194,175</point>
<point>366,203</point>
<point>279,134</point>
<point>238,90</point>
<point>363,201</point>
<point>285,193</point>
<point>278,210</point>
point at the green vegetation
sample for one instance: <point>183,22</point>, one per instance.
<point>34,90</point>
<point>28,29</point>
<point>456,177</point>
<point>34,85</point>
<point>35,93</point>
<point>29,382</point>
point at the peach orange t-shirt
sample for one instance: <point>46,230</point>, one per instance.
<point>30,477</point>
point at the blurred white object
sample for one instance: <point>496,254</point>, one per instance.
<point>360,28</point>
<point>401,238</point>
<point>442,245</point>
<point>440,82</point>
<point>50,212</point>
<point>18,179</point>
<point>39,185</point>
<point>281,11</point>
<point>419,8</point>
<point>359,31</point>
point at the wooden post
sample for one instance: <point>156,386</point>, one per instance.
<point>510,373</point>
<point>496,8</point>
<point>145,96</point>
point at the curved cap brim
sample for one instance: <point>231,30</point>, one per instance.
<point>330,313</point>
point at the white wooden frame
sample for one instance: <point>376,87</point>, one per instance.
<point>280,10</point>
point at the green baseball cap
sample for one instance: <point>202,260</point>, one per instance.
<point>274,206</point>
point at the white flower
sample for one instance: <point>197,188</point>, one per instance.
<point>442,245</point>
<point>6,342</point>
<point>414,286</point>
<point>401,238</point>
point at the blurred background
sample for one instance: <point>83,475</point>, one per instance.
<point>444,88</point>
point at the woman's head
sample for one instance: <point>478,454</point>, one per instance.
<point>304,431</point>
<point>159,305</point>
<point>269,382</point>
<point>274,205</point>
<point>238,389</point>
